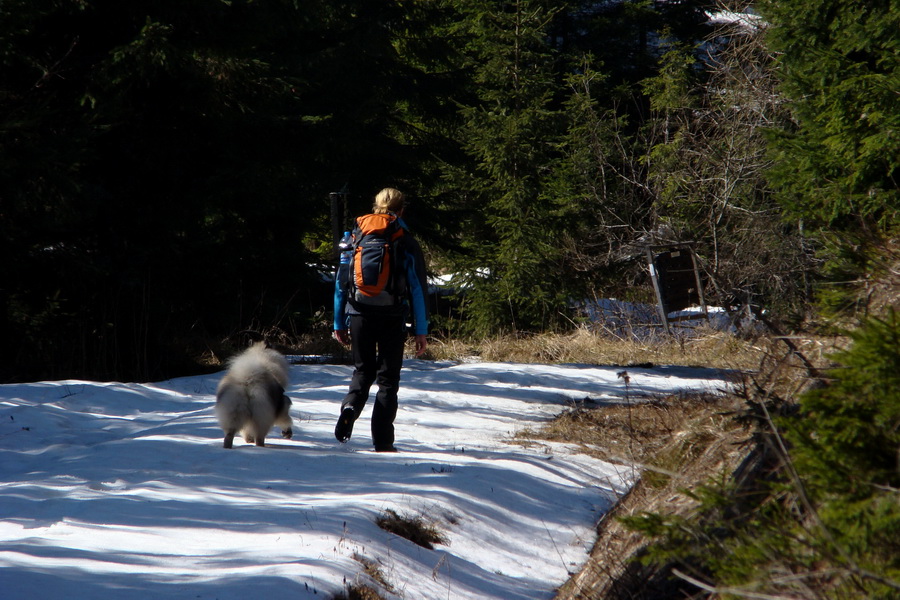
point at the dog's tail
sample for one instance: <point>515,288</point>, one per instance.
<point>256,360</point>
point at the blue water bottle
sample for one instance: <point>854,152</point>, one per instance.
<point>346,248</point>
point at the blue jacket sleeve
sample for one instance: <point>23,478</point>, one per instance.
<point>415,275</point>
<point>340,301</point>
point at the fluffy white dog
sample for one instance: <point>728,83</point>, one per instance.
<point>250,398</point>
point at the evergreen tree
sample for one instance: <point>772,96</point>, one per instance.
<point>152,157</point>
<point>156,156</point>
<point>625,36</point>
<point>427,86</point>
<point>837,167</point>
<point>508,134</point>
<point>839,62</point>
<point>596,181</point>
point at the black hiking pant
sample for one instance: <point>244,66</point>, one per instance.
<point>377,347</point>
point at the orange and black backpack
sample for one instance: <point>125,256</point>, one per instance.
<point>376,276</point>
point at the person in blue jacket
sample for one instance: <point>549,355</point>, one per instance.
<point>377,335</point>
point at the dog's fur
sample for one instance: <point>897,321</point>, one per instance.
<point>250,398</point>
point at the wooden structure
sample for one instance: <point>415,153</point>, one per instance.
<point>676,281</point>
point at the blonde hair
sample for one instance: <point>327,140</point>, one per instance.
<point>388,200</point>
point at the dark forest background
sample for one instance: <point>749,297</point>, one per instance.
<point>166,166</point>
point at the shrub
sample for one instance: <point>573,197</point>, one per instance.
<point>824,522</point>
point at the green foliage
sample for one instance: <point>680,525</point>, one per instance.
<point>508,132</point>
<point>847,440</point>
<point>672,87</point>
<point>672,94</point>
<point>840,66</point>
<point>844,446</point>
<point>596,203</point>
<point>830,514</point>
<point>836,168</point>
<point>859,277</point>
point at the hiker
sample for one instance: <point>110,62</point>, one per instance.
<point>383,286</point>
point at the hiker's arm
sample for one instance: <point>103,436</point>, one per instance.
<point>415,276</point>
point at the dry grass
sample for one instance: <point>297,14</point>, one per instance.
<point>706,348</point>
<point>359,592</point>
<point>677,443</point>
<point>659,436</point>
<point>373,569</point>
<point>413,528</point>
<point>363,591</point>
<point>701,346</point>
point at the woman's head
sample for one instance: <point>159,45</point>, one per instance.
<point>388,200</point>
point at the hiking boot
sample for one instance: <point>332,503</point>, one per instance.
<point>344,426</point>
<point>389,448</point>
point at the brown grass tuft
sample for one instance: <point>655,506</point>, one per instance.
<point>359,592</point>
<point>373,570</point>
<point>413,528</point>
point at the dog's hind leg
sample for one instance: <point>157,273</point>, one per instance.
<point>231,409</point>
<point>283,418</point>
